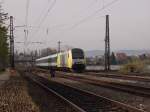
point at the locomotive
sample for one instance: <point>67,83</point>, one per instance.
<point>72,60</point>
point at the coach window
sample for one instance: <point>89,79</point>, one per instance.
<point>55,59</point>
<point>50,60</point>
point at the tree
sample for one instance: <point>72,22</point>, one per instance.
<point>113,59</point>
<point>3,40</point>
<point>3,47</point>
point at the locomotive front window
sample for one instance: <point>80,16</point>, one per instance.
<point>77,54</point>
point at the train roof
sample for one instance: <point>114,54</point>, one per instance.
<point>50,56</point>
<point>55,55</point>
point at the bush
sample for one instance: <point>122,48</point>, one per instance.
<point>136,66</point>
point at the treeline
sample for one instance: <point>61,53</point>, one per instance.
<point>3,46</point>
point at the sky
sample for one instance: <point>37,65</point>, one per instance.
<point>80,23</point>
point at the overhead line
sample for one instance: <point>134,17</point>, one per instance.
<point>45,16</point>
<point>91,16</point>
<point>26,24</point>
<point>50,8</point>
<point>39,18</point>
<point>27,12</point>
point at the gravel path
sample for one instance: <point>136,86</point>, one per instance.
<point>4,76</point>
<point>20,95</point>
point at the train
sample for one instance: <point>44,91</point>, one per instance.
<point>71,60</point>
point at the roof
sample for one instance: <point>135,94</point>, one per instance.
<point>50,56</point>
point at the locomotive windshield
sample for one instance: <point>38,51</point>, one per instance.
<point>77,54</point>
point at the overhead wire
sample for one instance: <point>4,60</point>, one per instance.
<point>26,24</point>
<point>49,9</point>
<point>51,6</point>
<point>39,18</point>
<point>92,15</point>
<point>77,23</point>
<point>27,12</point>
<point>45,16</point>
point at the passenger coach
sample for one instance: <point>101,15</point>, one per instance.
<point>73,59</point>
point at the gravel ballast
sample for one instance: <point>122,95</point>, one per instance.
<point>20,95</point>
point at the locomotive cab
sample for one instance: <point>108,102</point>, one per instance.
<point>78,60</point>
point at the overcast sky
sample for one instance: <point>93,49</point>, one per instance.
<point>70,21</point>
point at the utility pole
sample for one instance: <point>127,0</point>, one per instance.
<point>59,42</point>
<point>107,45</point>
<point>11,43</point>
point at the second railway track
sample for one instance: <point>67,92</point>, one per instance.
<point>130,88</point>
<point>120,76</point>
<point>85,100</point>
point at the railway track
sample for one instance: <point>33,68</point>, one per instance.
<point>120,76</point>
<point>125,87</point>
<point>109,75</point>
<point>130,88</point>
<point>73,107</point>
<point>82,100</point>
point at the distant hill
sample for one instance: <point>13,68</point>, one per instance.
<point>92,53</point>
<point>134,52</point>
